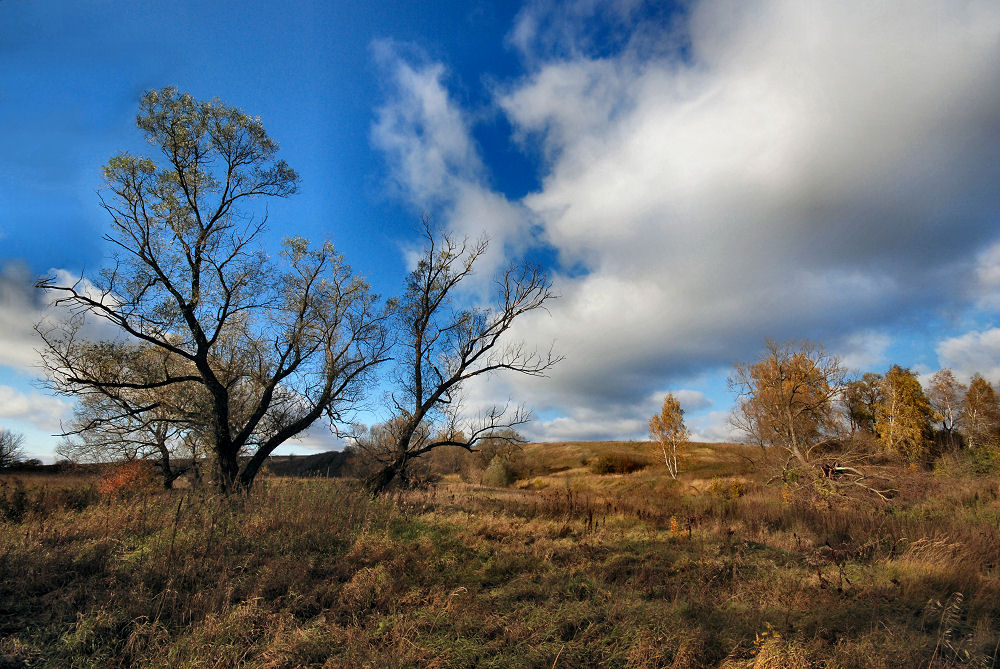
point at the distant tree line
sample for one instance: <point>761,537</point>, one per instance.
<point>799,398</point>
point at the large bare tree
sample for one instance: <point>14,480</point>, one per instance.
<point>443,346</point>
<point>273,341</point>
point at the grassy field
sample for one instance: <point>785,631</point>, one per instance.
<point>566,567</point>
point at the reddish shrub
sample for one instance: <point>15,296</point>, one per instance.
<point>129,477</point>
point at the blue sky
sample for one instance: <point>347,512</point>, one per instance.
<point>696,179</point>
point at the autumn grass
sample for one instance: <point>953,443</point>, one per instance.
<point>565,568</point>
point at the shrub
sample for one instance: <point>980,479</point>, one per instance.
<point>617,463</point>
<point>13,501</point>
<point>498,473</point>
<point>982,461</point>
<point>129,477</point>
<point>728,489</point>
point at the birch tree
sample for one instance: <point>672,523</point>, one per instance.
<point>946,395</point>
<point>668,432</point>
<point>903,417</point>
<point>980,419</point>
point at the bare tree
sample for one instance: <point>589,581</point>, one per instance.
<point>11,444</point>
<point>443,347</point>
<point>273,343</point>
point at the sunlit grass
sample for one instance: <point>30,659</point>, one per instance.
<point>565,568</point>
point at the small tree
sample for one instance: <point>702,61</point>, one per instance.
<point>11,444</point>
<point>860,399</point>
<point>903,417</point>
<point>498,473</point>
<point>946,396</point>
<point>667,430</point>
<point>272,342</point>
<point>980,418</point>
<point>443,346</point>
<point>374,448</point>
<point>505,443</point>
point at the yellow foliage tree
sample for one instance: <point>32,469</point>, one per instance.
<point>904,416</point>
<point>667,430</point>
<point>980,418</point>
<point>786,398</point>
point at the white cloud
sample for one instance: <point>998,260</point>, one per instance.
<point>435,163</point>
<point>864,351</point>
<point>987,270</point>
<point>971,353</point>
<point>587,425</point>
<point>42,411</point>
<point>809,169</point>
<point>317,439</point>
<point>800,169</point>
<point>714,427</point>
<point>625,419</point>
<point>21,306</point>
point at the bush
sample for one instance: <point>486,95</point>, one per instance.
<point>129,477</point>
<point>498,473</point>
<point>617,463</point>
<point>730,489</point>
<point>982,461</point>
<point>14,501</point>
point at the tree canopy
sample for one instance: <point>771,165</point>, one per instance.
<point>903,416</point>
<point>786,397</point>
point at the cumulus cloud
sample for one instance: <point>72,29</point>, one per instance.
<point>987,272</point>
<point>22,306</point>
<point>971,353</point>
<point>627,418</point>
<point>42,411</point>
<point>435,163</point>
<point>772,168</point>
<point>808,170</point>
<point>864,350</point>
<point>714,426</point>
<point>317,439</point>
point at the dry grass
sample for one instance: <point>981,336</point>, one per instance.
<point>571,568</point>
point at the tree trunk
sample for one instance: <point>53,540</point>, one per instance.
<point>227,470</point>
<point>165,470</point>
<point>380,480</point>
<point>251,469</point>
